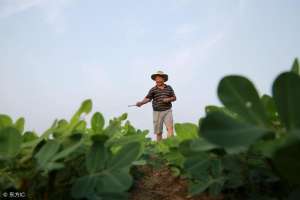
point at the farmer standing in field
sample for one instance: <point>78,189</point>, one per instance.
<point>161,96</point>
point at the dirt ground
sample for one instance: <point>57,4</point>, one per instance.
<point>160,184</point>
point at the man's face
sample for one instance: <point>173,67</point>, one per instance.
<point>159,80</point>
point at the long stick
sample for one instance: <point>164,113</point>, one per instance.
<point>131,105</point>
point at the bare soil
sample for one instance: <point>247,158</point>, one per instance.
<point>160,184</point>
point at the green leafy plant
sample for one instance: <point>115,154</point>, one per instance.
<point>108,154</point>
<point>248,148</point>
<point>267,125</point>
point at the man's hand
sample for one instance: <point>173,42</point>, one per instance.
<point>166,100</point>
<point>139,104</point>
<point>170,99</point>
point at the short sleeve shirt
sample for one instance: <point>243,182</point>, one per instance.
<point>157,95</point>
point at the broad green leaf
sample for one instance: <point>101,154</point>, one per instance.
<point>20,124</point>
<point>200,144</point>
<point>99,138</point>
<point>197,165</point>
<point>125,156</point>
<point>54,166</point>
<point>125,140</point>
<point>129,129</point>
<point>287,161</point>
<point>84,187</point>
<point>193,147</point>
<point>171,142</point>
<point>49,131</point>
<point>10,142</point>
<point>216,167</point>
<point>114,181</point>
<point>174,157</point>
<point>123,117</point>
<point>40,140</point>
<point>176,170</point>
<point>114,128</point>
<point>270,107</point>
<point>287,97</point>
<point>61,124</point>
<point>97,157</point>
<point>188,149</point>
<point>235,170</point>
<point>239,95</point>
<point>198,187</point>
<point>46,153</point>
<point>61,128</point>
<point>296,67</point>
<point>186,131</point>
<point>222,130</point>
<point>162,147</point>
<point>80,126</point>
<point>107,185</point>
<point>67,151</point>
<point>268,147</point>
<point>30,140</point>
<point>97,122</point>
<point>5,121</point>
<point>211,108</point>
<point>216,186</point>
<point>139,162</point>
<point>85,108</point>
<point>29,136</point>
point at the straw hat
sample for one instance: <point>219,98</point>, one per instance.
<point>160,73</point>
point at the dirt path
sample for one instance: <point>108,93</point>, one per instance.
<point>160,184</point>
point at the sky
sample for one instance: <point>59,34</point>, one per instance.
<point>56,53</point>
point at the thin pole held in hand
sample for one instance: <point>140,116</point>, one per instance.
<point>131,105</point>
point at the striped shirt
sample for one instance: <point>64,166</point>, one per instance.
<point>157,95</point>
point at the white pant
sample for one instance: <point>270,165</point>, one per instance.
<point>160,118</point>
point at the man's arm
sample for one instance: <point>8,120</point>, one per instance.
<point>140,103</point>
<point>170,99</point>
<point>147,99</point>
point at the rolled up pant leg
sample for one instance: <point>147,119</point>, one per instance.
<point>157,122</point>
<point>168,121</point>
<point>160,118</point>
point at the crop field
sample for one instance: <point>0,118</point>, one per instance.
<point>249,148</point>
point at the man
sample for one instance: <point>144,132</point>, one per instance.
<point>161,96</point>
